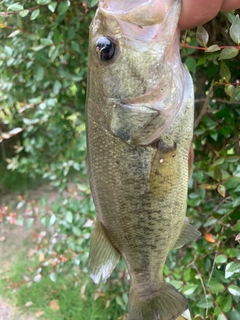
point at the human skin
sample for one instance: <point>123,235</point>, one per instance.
<point>198,12</point>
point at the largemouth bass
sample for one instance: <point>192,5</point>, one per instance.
<point>139,133</point>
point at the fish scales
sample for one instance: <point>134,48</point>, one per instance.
<point>139,132</point>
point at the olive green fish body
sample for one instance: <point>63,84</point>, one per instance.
<point>139,132</point>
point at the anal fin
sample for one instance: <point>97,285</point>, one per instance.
<point>188,233</point>
<point>103,258</point>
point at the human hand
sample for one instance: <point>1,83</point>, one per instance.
<point>198,12</point>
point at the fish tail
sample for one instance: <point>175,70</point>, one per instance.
<point>167,305</point>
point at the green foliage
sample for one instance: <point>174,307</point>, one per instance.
<point>71,297</point>
<point>43,67</point>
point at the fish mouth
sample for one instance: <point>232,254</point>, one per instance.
<point>139,12</point>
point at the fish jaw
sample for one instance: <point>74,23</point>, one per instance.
<point>139,12</point>
<point>147,58</point>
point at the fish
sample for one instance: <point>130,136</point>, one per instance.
<point>139,123</point>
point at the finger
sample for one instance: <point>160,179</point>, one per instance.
<point>195,13</point>
<point>230,5</point>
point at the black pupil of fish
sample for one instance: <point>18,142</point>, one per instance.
<point>105,48</point>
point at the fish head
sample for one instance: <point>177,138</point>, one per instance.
<point>136,78</point>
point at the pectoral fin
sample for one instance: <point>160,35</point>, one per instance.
<point>103,258</point>
<point>188,234</point>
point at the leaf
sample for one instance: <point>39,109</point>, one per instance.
<point>28,304</point>
<point>208,186</point>
<point>52,6</point>
<point>39,313</point>
<point>46,41</point>
<point>43,2</point>
<point>119,301</point>
<point>37,278</point>
<point>189,289</point>
<point>14,33</point>
<point>213,48</point>
<point>234,290</point>
<point>57,87</point>
<point>216,287</point>
<point>205,303</point>
<point>11,133</point>
<point>236,227</point>
<point>63,7</point>
<point>34,14</point>
<point>39,73</point>
<point>228,273</point>
<point>224,71</point>
<point>229,90</point>
<point>53,277</point>
<point>234,267</point>
<point>93,2</point>
<point>76,231</point>
<point>236,95</point>
<point>15,7</point>
<point>222,258</point>
<point>227,304</point>
<point>234,314</point>
<point>191,64</point>
<point>235,30</point>
<point>228,53</point>
<point>52,219</point>
<point>69,217</point>
<point>23,13</point>
<point>217,173</point>
<point>221,190</point>
<point>202,36</point>
<point>54,305</point>
<point>210,222</point>
<point>209,237</point>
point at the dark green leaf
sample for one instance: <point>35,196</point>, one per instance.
<point>236,95</point>
<point>234,314</point>
<point>205,303</point>
<point>229,90</point>
<point>63,7</point>
<point>191,64</point>
<point>224,71</point>
<point>236,227</point>
<point>227,304</point>
<point>217,173</point>
<point>216,287</point>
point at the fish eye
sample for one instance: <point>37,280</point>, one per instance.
<point>105,48</point>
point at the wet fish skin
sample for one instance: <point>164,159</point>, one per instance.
<point>139,132</point>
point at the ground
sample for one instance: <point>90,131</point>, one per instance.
<point>13,242</point>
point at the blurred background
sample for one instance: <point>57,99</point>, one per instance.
<point>46,209</point>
